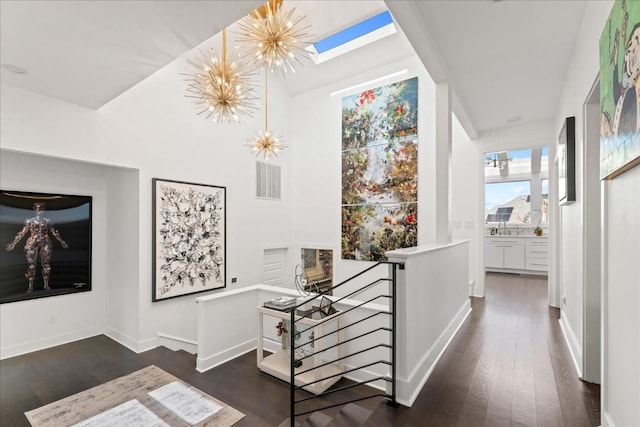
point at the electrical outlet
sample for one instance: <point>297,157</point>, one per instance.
<point>53,318</point>
<point>234,279</point>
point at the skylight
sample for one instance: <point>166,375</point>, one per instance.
<point>354,37</point>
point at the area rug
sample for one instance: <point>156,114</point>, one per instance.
<point>148,397</point>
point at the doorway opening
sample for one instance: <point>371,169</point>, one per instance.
<point>516,217</point>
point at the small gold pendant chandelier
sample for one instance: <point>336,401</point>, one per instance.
<point>266,143</point>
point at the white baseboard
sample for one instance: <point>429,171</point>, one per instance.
<point>572,342</point>
<point>131,343</point>
<point>52,341</point>
<point>123,339</point>
<point>408,389</point>
<point>146,345</point>
<point>175,343</point>
<point>204,364</point>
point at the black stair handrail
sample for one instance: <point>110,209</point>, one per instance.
<point>392,345</point>
<point>329,319</point>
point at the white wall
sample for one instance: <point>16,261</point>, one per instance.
<point>154,128</point>
<point>26,326</point>
<point>621,250</point>
<point>464,198</point>
<point>121,255</point>
<point>316,128</point>
<point>621,396</point>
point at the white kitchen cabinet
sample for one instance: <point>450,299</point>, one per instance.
<point>493,255</point>
<point>504,253</point>
<point>514,255</point>
<point>537,254</point>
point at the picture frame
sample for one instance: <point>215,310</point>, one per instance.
<point>189,238</point>
<point>566,160</point>
<point>326,306</point>
<point>46,245</point>
<point>619,80</point>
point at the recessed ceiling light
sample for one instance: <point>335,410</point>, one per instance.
<point>514,119</point>
<point>14,69</point>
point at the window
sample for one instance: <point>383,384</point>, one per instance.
<point>508,202</point>
<point>517,186</point>
<point>545,202</point>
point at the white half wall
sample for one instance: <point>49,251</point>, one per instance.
<point>433,302</point>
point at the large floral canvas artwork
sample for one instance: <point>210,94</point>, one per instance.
<point>380,170</point>
<point>189,238</point>
<point>619,89</point>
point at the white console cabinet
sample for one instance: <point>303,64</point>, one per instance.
<point>314,368</point>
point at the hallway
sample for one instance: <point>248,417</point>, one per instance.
<point>508,365</point>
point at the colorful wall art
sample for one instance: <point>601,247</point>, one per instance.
<point>46,245</point>
<point>380,170</point>
<point>619,89</point>
<point>189,238</point>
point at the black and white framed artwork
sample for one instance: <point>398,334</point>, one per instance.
<point>189,238</point>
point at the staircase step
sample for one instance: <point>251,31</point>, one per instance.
<point>317,419</point>
<point>351,415</point>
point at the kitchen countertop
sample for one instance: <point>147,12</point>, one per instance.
<point>521,236</point>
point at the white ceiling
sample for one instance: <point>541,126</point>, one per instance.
<point>502,59</point>
<point>89,52</point>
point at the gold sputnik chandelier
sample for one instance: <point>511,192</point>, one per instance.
<point>266,143</point>
<point>273,37</point>
<point>220,88</point>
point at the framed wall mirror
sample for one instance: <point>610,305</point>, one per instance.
<point>318,269</point>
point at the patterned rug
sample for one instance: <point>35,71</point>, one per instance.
<point>148,397</point>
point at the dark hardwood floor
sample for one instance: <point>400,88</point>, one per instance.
<point>508,365</point>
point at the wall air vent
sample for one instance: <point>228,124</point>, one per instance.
<point>268,181</point>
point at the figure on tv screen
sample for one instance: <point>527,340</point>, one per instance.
<point>38,244</point>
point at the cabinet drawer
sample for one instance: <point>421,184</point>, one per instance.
<point>537,241</point>
<point>537,264</point>
<point>505,241</point>
<point>537,252</point>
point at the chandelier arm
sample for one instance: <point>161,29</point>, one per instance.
<point>224,52</point>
